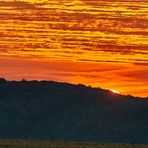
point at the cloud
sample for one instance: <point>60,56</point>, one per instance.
<point>92,31</point>
<point>17,4</point>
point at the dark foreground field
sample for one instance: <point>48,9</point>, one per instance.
<point>49,144</point>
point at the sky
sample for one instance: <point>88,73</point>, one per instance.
<point>101,43</point>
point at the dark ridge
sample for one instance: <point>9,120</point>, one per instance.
<point>48,110</point>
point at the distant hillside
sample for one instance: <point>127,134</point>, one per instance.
<point>61,111</point>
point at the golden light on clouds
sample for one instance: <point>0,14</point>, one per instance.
<point>95,42</point>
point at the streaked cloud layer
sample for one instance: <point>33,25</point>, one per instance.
<point>87,31</point>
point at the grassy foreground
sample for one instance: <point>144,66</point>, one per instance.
<point>53,144</point>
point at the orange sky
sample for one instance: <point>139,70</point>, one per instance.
<point>102,43</point>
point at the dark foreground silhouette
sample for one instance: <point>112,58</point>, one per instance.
<point>47,110</point>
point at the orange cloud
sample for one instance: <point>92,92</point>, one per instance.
<point>99,43</point>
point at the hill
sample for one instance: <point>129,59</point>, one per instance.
<point>48,110</point>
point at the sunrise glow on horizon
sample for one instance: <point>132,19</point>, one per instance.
<point>115,91</point>
<point>102,43</point>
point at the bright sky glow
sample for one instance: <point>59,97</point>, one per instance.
<point>115,91</point>
<point>102,43</point>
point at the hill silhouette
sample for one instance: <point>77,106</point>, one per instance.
<point>48,110</point>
